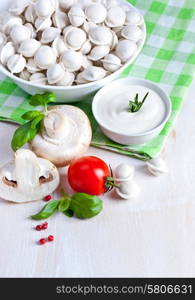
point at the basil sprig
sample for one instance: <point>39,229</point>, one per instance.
<point>84,206</point>
<point>29,130</point>
<point>135,105</point>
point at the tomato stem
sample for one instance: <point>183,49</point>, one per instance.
<point>109,183</point>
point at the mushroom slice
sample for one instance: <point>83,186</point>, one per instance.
<point>65,135</point>
<point>27,178</point>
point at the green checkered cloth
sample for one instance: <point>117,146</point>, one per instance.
<point>168,58</point>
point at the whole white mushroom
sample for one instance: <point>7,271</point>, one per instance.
<point>65,135</point>
<point>27,178</point>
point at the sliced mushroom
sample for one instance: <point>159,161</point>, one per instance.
<point>65,135</point>
<point>27,178</point>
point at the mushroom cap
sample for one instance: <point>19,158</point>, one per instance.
<point>66,135</point>
<point>27,178</point>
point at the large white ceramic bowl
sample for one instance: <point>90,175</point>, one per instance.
<point>69,93</point>
<point>116,135</point>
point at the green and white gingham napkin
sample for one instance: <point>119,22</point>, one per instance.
<point>168,58</point>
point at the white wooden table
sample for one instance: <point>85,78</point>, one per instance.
<point>151,236</point>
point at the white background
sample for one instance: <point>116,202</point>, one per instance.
<point>153,235</point>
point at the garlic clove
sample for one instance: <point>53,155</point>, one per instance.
<point>38,78</point>
<point>72,60</point>
<point>76,16</point>
<point>96,13</point>
<point>16,63</point>
<point>100,35</point>
<point>6,51</point>
<point>55,73</point>
<point>60,19</point>
<point>132,33</point>
<point>115,17</point>
<point>133,18</point>
<point>124,172</point>
<point>98,52</point>
<point>157,166</point>
<point>44,57</point>
<point>125,49</point>
<point>92,73</point>
<point>128,190</point>
<point>28,48</point>
<point>49,35</point>
<point>111,62</point>
<point>20,33</point>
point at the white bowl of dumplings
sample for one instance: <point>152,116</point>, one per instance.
<point>69,47</point>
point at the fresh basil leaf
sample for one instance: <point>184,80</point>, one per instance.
<point>64,204</point>
<point>69,213</point>
<point>36,121</point>
<point>36,100</point>
<point>47,211</point>
<point>86,206</point>
<point>24,134</point>
<point>49,98</point>
<point>30,115</point>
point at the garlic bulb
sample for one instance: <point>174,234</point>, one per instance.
<point>55,73</point>
<point>76,16</point>
<point>49,35</point>
<point>29,47</point>
<point>96,13</point>
<point>45,56</point>
<point>115,17</point>
<point>98,52</point>
<point>38,78</point>
<point>125,49</point>
<point>111,62</point>
<point>16,63</point>
<point>6,51</point>
<point>157,166</point>
<point>72,60</point>
<point>20,33</point>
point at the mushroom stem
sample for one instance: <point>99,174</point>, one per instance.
<point>55,124</point>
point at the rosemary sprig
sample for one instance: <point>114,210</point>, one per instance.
<point>135,105</point>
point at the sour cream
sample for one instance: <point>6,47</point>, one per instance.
<point>113,110</point>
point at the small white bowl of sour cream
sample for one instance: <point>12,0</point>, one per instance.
<point>126,121</point>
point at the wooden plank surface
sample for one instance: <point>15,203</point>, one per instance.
<point>150,236</point>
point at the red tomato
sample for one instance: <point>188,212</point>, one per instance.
<point>88,175</point>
